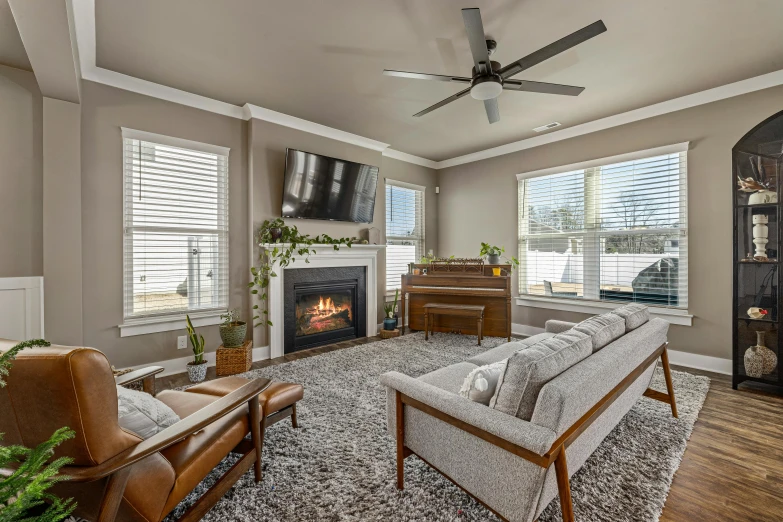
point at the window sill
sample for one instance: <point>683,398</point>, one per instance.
<point>674,316</point>
<point>168,323</point>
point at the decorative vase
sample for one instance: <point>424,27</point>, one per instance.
<point>759,360</point>
<point>496,271</point>
<point>276,233</point>
<point>493,259</point>
<point>197,372</point>
<point>763,197</point>
<point>760,235</point>
<point>390,323</point>
<point>233,334</point>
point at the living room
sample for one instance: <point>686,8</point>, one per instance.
<point>548,292</point>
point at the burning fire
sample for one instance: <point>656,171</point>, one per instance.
<point>326,307</point>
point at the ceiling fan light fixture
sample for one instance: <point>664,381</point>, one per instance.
<point>486,90</point>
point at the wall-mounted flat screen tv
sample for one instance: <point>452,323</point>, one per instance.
<point>320,187</point>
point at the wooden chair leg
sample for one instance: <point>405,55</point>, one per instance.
<point>479,331</point>
<point>564,487</point>
<point>112,495</point>
<point>294,422</point>
<point>426,326</point>
<point>257,428</point>
<point>400,441</point>
<point>667,373</point>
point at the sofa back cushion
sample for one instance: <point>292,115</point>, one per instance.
<point>528,370</point>
<point>634,314</point>
<point>602,329</point>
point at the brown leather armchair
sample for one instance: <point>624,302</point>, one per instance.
<point>116,475</point>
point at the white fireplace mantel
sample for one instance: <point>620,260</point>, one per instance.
<point>325,256</point>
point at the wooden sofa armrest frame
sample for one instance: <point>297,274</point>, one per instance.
<point>118,468</point>
<point>557,452</point>
<point>145,375</point>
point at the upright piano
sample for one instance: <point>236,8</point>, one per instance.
<point>470,285</point>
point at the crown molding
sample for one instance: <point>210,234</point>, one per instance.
<point>84,22</point>
<point>730,90</point>
<point>410,158</point>
<point>254,111</point>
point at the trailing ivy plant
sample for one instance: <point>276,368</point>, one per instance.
<point>24,492</point>
<point>289,244</point>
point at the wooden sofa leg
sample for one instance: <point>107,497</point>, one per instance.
<point>257,422</point>
<point>294,422</point>
<point>669,386</point>
<point>564,486</point>
<point>400,440</point>
<point>112,495</point>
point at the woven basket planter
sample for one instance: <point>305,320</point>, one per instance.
<point>233,360</point>
<point>233,335</point>
<point>388,334</point>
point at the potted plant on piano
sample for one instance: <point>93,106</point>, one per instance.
<point>390,322</point>
<point>197,369</point>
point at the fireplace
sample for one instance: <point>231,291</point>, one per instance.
<point>324,305</point>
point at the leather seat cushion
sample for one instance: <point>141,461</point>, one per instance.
<point>277,396</point>
<point>196,456</point>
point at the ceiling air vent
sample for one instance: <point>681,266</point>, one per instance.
<point>547,126</point>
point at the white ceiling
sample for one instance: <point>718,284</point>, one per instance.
<point>12,51</point>
<point>322,60</point>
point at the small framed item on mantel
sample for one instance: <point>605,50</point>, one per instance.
<point>756,179</point>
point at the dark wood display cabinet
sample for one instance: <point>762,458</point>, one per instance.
<point>757,176</point>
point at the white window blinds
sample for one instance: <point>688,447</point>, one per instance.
<point>176,226</point>
<point>404,229</point>
<point>611,232</point>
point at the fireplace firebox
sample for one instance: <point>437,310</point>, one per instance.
<point>324,305</point>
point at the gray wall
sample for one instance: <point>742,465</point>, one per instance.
<point>104,110</point>
<point>267,144</point>
<point>21,174</point>
<point>478,202</point>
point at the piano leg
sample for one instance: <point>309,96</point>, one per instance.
<point>426,326</point>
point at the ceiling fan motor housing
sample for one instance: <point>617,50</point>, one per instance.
<point>486,86</point>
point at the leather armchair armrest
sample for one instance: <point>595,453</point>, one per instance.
<point>171,435</point>
<point>146,375</point>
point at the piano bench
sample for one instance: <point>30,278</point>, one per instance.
<point>474,311</point>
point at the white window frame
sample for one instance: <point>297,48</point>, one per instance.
<point>173,321</point>
<point>677,316</point>
<point>423,227</point>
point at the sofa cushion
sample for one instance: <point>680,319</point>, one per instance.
<point>449,378</point>
<point>143,414</point>
<point>506,350</point>
<point>602,329</point>
<point>479,385</point>
<point>635,315</point>
<point>528,370</point>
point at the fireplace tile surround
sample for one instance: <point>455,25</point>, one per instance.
<point>362,256</point>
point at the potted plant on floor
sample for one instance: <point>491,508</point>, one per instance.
<point>197,369</point>
<point>232,330</point>
<point>390,322</point>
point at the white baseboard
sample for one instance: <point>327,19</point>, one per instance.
<point>179,365</point>
<point>689,360</point>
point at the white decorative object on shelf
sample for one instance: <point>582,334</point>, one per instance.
<point>760,235</point>
<point>763,197</point>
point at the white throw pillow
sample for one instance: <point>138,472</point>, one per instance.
<point>143,414</point>
<point>479,385</point>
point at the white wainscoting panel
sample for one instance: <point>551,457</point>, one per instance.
<point>21,308</point>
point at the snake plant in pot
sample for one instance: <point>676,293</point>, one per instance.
<point>390,322</point>
<point>197,369</point>
<point>232,330</point>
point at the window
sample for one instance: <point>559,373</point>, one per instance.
<point>609,230</point>
<point>176,226</point>
<point>404,229</point>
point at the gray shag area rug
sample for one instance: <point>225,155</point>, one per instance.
<point>340,463</point>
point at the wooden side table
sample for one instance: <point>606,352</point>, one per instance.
<point>472,311</point>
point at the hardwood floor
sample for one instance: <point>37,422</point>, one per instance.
<point>732,469</point>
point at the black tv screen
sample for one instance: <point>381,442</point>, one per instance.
<point>320,187</point>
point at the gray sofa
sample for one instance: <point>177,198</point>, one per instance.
<point>503,461</point>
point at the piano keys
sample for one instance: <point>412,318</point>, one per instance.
<point>469,287</point>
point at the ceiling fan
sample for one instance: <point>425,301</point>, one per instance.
<point>489,79</point>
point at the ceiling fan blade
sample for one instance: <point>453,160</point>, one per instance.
<point>493,112</point>
<point>425,76</point>
<point>546,88</point>
<point>562,45</point>
<point>476,38</point>
<point>441,103</point>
